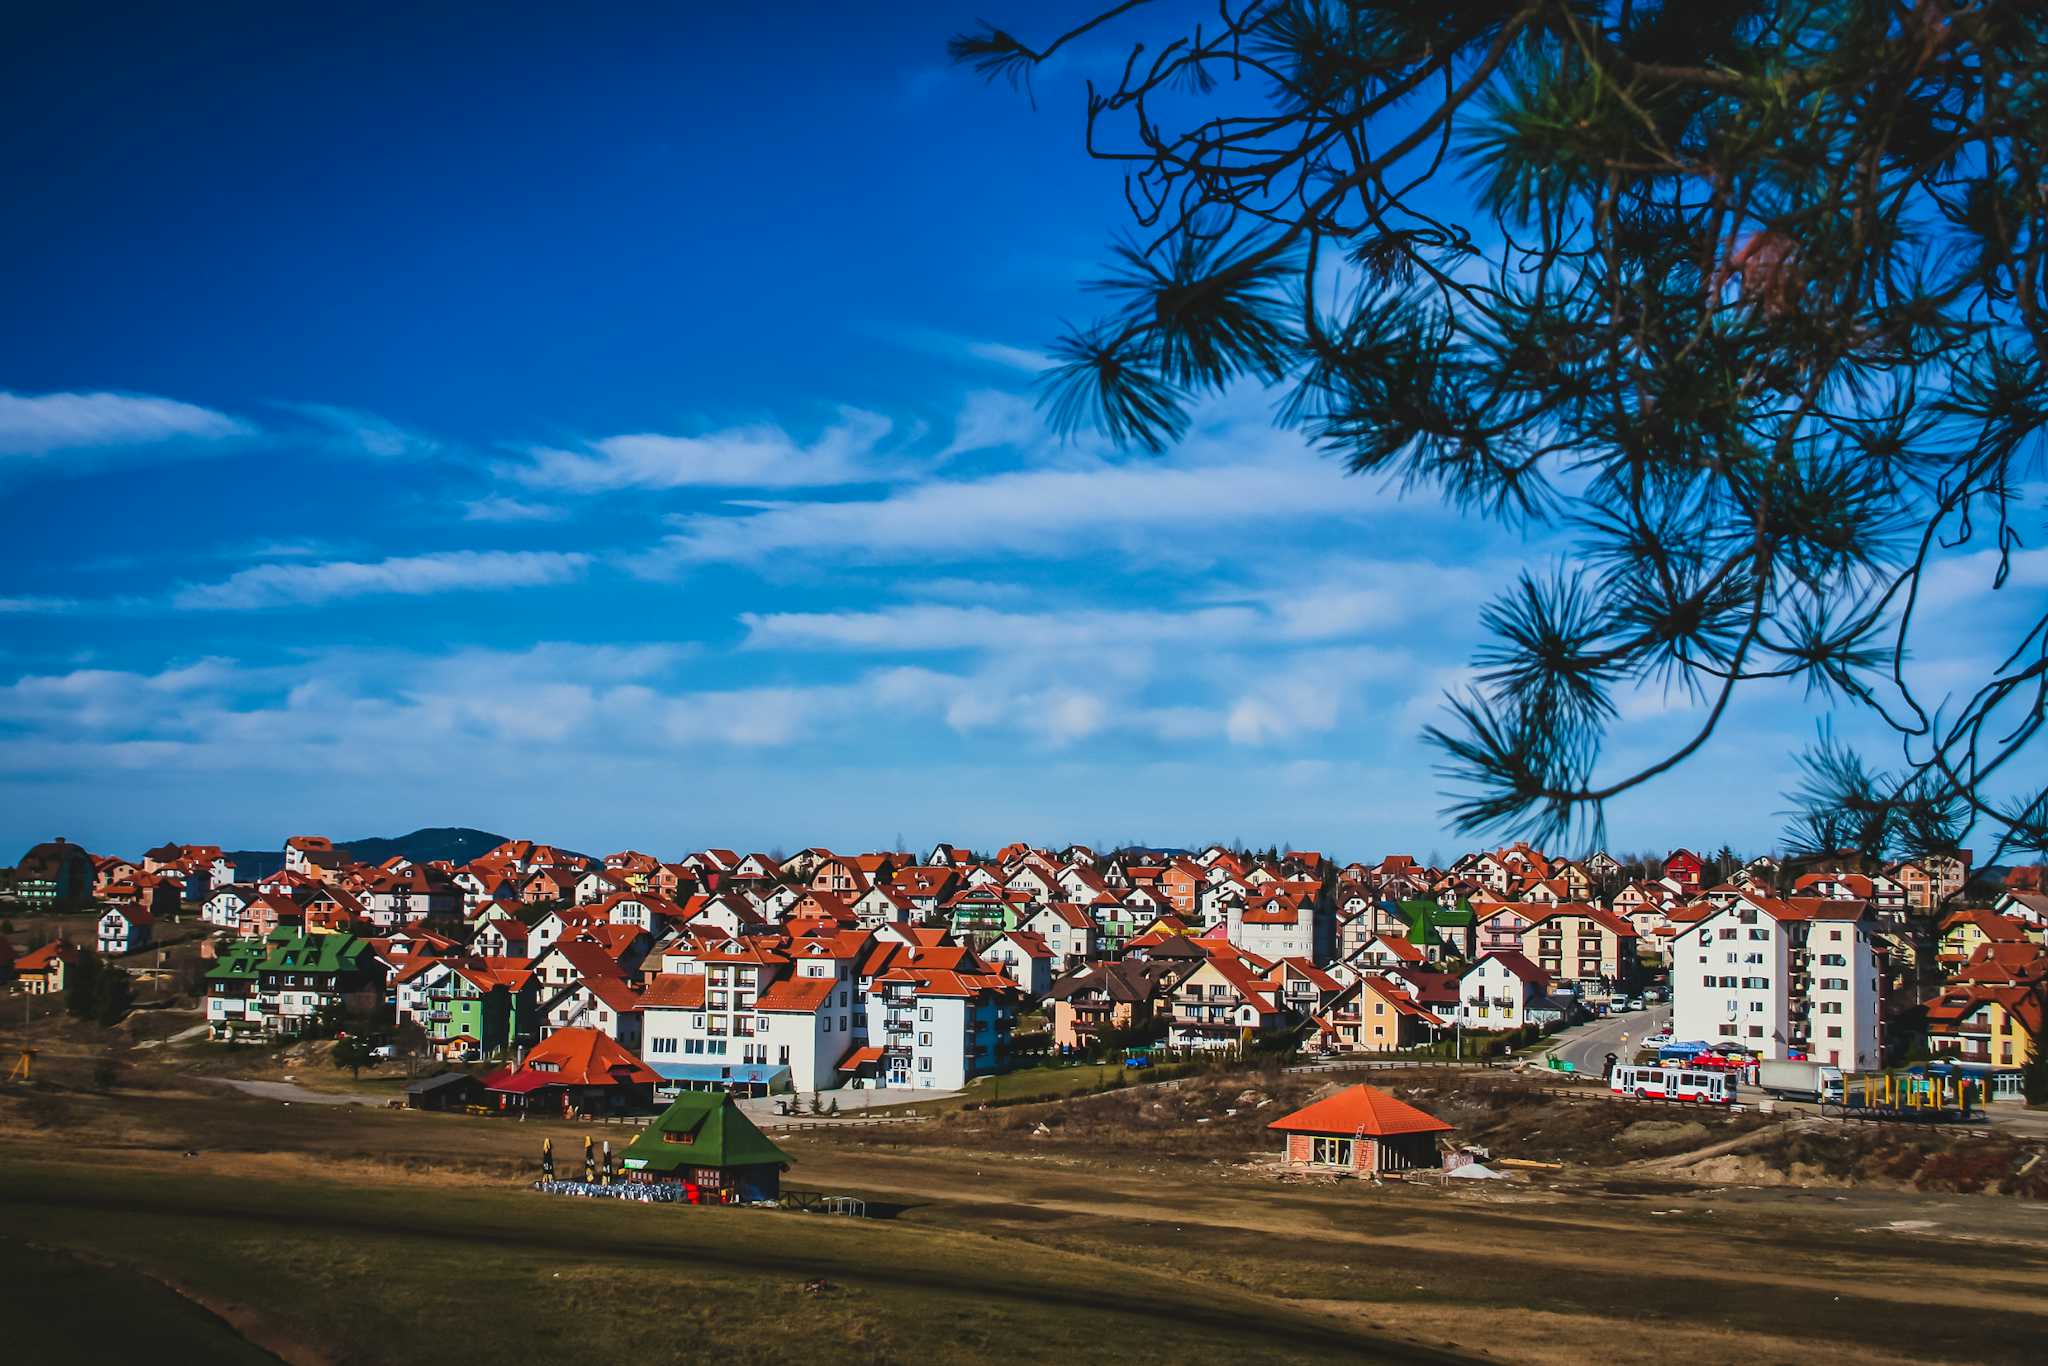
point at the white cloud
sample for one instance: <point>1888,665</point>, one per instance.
<point>990,418</point>
<point>1016,357</point>
<point>42,424</point>
<point>1953,581</point>
<point>737,457</point>
<point>280,585</point>
<point>34,605</point>
<point>502,509</point>
<point>354,432</point>
<point>1160,508</point>
<point>931,626</point>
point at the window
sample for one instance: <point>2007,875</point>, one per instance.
<point>924,1064</point>
<point>1760,934</point>
<point>784,1058</point>
<point>1331,1152</point>
<point>1834,1031</point>
<point>924,1012</point>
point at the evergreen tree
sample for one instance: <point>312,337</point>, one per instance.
<point>1745,296</point>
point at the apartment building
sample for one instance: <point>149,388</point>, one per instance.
<point>1782,975</point>
<point>938,1029</point>
<point>1582,946</point>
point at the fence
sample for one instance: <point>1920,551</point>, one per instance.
<point>848,1122</point>
<point>1398,1065</point>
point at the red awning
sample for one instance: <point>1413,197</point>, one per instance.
<point>859,1058</point>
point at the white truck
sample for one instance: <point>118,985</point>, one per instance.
<point>1800,1080</point>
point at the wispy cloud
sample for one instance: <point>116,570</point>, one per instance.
<point>352,431</point>
<point>1016,357</point>
<point>763,456</point>
<point>44,424</point>
<point>1170,509</point>
<point>990,418</point>
<point>502,509</point>
<point>284,585</point>
<point>932,627</point>
<point>35,605</point>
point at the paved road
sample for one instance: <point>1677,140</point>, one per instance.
<point>1586,1046</point>
<point>291,1094</point>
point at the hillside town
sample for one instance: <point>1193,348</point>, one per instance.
<point>603,984</point>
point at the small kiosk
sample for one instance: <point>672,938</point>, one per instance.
<point>706,1144</point>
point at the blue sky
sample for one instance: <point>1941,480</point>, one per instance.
<point>617,428</point>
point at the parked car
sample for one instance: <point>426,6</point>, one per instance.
<point>1658,1040</point>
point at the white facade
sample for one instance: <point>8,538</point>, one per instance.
<point>1780,983</point>
<point>1492,995</point>
<point>809,1040</point>
<point>1031,971</point>
<point>933,1042</point>
<point>119,934</point>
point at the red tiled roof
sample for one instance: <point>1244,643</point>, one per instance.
<point>1360,1110</point>
<point>586,1057</point>
<point>675,990</point>
<point>802,995</point>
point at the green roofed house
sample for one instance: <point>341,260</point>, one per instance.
<point>1439,931</point>
<point>305,975</point>
<point>232,1008</point>
<point>707,1145</point>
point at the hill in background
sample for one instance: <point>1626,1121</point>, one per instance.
<point>458,843</point>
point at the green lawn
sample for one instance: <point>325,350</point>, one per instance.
<point>480,1272</point>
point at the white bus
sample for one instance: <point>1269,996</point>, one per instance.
<point>1674,1083</point>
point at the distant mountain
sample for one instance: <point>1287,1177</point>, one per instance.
<point>457,844</point>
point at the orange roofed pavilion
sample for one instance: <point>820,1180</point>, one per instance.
<point>1360,1131</point>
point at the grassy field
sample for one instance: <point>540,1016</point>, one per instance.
<point>60,1297</point>
<point>1096,1227</point>
<point>472,1271</point>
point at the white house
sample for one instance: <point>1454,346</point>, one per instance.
<point>597,1002</point>
<point>1781,975</point>
<point>1499,990</point>
<point>124,929</point>
<point>227,906</point>
<point>1025,959</point>
<point>1069,931</point>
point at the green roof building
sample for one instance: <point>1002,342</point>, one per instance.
<point>1431,925</point>
<point>304,975</point>
<point>705,1143</point>
<point>232,1010</point>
